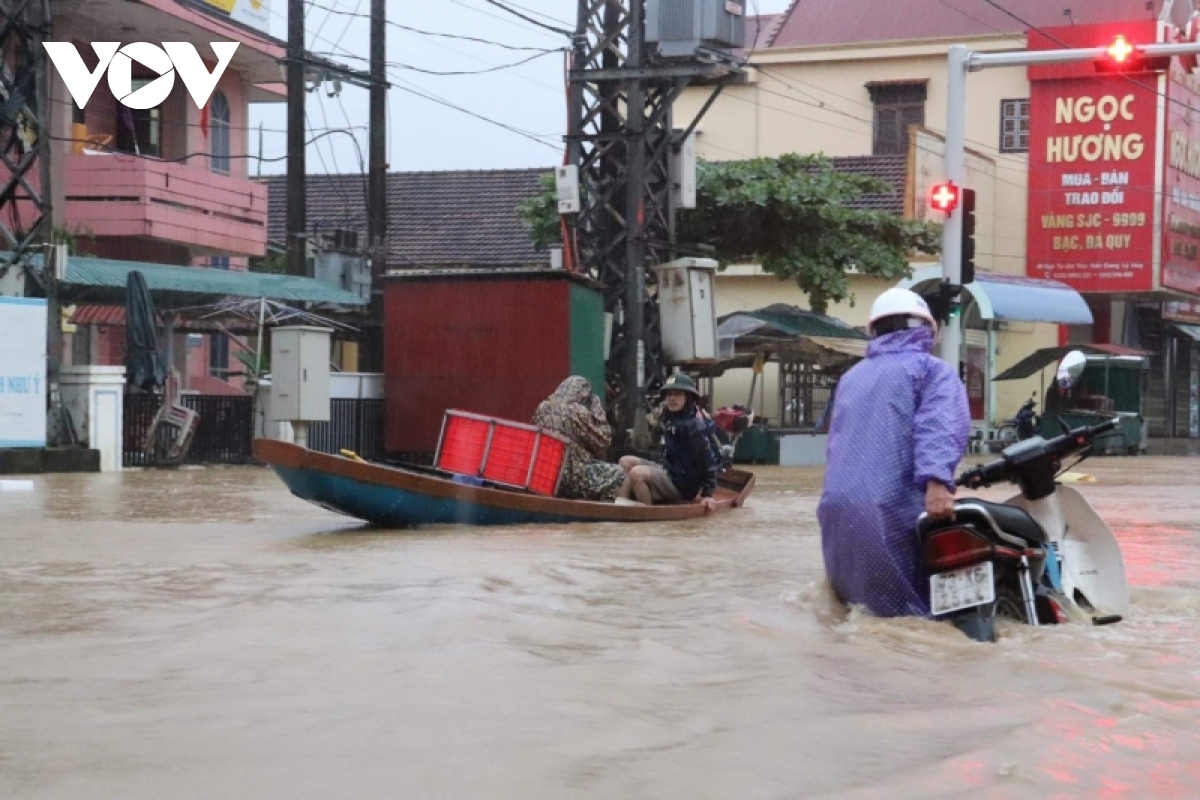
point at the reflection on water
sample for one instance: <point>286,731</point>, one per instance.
<point>203,634</point>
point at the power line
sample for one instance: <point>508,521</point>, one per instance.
<point>422,70</point>
<point>527,18</point>
<point>362,166</point>
<point>425,94</point>
<point>423,32</point>
<point>349,22</point>
<point>527,134</point>
<point>494,16</point>
<point>541,14</point>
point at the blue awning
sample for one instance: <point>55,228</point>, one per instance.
<point>1016,298</point>
<point>1028,300</point>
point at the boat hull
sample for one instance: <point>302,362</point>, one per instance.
<point>397,497</point>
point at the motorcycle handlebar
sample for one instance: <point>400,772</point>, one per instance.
<point>1060,447</point>
<point>983,475</point>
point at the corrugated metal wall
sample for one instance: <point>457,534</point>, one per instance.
<point>491,346</point>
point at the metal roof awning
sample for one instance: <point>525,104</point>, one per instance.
<point>1190,331</point>
<point>99,280</point>
<point>787,320</point>
<point>783,331</point>
<point>1016,298</point>
<point>1039,360</point>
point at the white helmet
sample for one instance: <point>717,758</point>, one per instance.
<point>901,302</point>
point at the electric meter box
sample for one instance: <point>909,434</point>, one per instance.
<point>300,374</point>
<point>687,309</point>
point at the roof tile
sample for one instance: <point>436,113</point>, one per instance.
<point>435,219</point>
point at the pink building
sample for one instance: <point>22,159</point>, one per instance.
<point>168,185</point>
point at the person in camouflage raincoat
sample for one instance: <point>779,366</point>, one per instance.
<point>576,413</point>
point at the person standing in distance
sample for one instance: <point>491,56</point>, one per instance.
<point>899,429</point>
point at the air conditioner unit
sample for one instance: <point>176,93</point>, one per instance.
<point>683,28</point>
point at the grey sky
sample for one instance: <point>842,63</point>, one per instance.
<point>424,135</point>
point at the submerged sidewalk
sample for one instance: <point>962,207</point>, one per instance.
<point>1174,447</point>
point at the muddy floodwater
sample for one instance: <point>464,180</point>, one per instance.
<point>202,634</point>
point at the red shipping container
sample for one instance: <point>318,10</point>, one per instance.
<point>500,451</point>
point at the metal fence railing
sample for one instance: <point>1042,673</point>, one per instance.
<point>225,434</point>
<point>223,437</point>
<point>355,425</point>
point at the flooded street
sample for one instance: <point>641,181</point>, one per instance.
<point>202,634</point>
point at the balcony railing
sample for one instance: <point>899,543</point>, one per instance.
<point>113,194</point>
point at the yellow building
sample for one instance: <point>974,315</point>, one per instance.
<point>864,82</point>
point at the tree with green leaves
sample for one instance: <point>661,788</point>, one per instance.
<point>793,215</point>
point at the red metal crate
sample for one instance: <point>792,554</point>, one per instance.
<point>509,454</point>
<point>501,451</point>
<point>548,465</point>
<point>463,444</point>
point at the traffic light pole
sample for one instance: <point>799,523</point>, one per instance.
<point>950,346</point>
<point>961,61</point>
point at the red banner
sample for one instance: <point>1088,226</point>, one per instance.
<point>1181,190</point>
<point>1092,183</point>
<point>1092,179</point>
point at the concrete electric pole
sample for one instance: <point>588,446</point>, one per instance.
<point>297,170</point>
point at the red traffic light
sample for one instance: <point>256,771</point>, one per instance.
<point>1125,57</point>
<point>944,197</point>
<point>1120,50</point>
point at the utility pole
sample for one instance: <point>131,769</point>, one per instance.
<point>377,207</point>
<point>950,346</point>
<point>43,21</point>
<point>633,366</point>
<point>620,137</point>
<point>297,169</point>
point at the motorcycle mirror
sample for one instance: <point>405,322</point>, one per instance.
<point>1070,369</point>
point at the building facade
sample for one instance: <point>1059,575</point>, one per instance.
<point>166,185</point>
<point>851,78</point>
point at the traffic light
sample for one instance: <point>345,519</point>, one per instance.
<point>943,300</point>
<point>968,237</point>
<point>944,197</point>
<point>1125,57</point>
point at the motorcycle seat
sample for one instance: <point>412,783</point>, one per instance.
<point>1012,520</point>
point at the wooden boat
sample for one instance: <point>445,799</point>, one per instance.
<point>405,496</point>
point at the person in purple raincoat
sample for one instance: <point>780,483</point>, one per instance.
<point>900,426</point>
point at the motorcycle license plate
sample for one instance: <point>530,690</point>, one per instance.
<point>961,588</point>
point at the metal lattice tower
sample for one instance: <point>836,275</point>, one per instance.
<point>620,136</point>
<point>24,129</point>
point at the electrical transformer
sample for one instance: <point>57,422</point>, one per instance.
<point>683,28</point>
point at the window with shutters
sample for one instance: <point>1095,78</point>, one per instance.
<point>1014,126</point>
<point>898,105</point>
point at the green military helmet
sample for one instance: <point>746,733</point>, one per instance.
<point>678,382</point>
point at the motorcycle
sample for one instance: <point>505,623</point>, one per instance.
<point>1022,426</point>
<point>1042,557</point>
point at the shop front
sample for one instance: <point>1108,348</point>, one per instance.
<point>1114,206</point>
